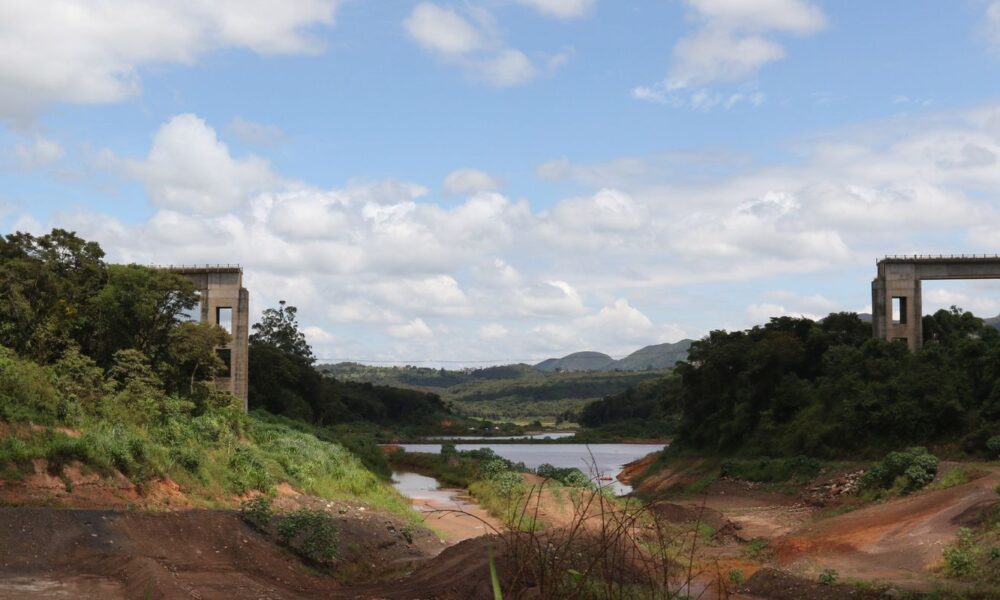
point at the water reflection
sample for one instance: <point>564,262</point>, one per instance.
<point>601,460</point>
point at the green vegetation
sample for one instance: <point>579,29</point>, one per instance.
<point>993,445</point>
<point>975,554</point>
<point>900,472</point>
<point>100,368</point>
<point>757,549</point>
<point>823,389</point>
<point>649,409</point>
<point>509,392</point>
<point>312,534</point>
<point>795,386</point>
<point>800,469</point>
<point>828,577</point>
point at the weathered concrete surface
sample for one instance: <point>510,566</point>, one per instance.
<point>900,277</point>
<point>221,287</point>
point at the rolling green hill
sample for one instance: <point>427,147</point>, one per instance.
<point>510,392</point>
<point>657,356</point>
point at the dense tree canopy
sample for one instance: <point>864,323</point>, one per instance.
<point>795,386</point>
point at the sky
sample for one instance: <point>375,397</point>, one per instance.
<point>473,182</point>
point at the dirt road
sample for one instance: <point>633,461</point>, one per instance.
<point>898,541</point>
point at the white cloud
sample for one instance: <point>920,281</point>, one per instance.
<point>991,26</point>
<point>470,181</point>
<point>438,295</point>
<point>508,68</point>
<point>762,313</point>
<point>562,9</point>
<point>91,52</point>
<point>443,30</point>
<point>189,168</point>
<point>472,43</point>
<point>414,329</point>
<point>733,40</point>
<point>701,99</point>
<point>720,55</point>
<point>616,329</point>
<point>251,132</point>
<point>39,152</point>
<point>318,335</point>
<point>493,332</point>
<point>791,16</point>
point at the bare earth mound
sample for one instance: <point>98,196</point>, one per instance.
<point>188,554</point>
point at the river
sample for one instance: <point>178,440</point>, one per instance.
<point>597,460</point>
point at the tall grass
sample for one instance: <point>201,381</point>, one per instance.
<point>207,444</point>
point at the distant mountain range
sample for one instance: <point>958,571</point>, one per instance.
<point>658,356</point>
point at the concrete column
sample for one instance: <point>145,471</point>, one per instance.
<point>879,329</point>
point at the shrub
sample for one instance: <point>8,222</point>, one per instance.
<point>828,577</point>
<point>958,560</point>
<point>312,534</point>
<point>993,445</point>
<point>257,512</point>
<point>907,470</point>
<point>756,549</point>
<point>570,476</point>
<point>493,468</point>
<point>248,471</point>
<point>508,483</point>
<point>27,391</point>
<point>959,557</point>
<point>188,458</point>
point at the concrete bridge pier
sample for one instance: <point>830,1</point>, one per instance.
<point>897,311</point>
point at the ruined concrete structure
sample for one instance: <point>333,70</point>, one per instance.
<point>897,313</point>
<point>225,302</point>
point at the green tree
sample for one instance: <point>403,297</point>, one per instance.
<point>45,285</point>
<point>279,329</point>
<point>138,308</point>
<point>193,355</point>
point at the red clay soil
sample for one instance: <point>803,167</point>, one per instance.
<point>82,488</point>
<point>898,541</point>
<point>777,585</point>
<point>47,553</point>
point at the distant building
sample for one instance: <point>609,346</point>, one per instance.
<point>225,302</point>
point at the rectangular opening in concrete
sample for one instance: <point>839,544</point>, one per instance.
<point>226,355</point>
<point>899,310</point>
<point>224,318</point>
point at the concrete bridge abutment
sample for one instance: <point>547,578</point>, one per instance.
<point>897,308</point>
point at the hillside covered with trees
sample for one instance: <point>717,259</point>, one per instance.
<point>507,392</point>
<point>795,386</point>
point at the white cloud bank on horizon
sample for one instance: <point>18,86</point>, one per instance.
<point>381,269</point>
